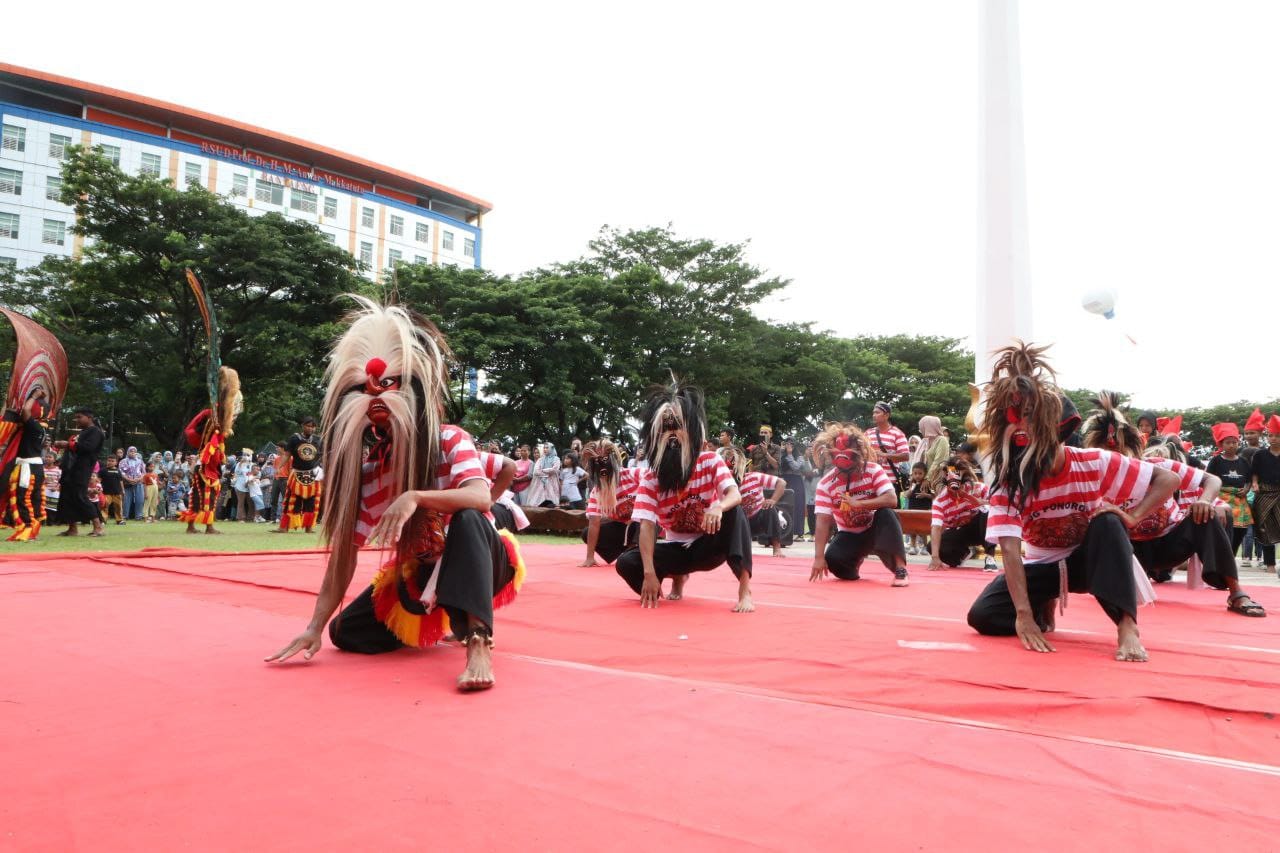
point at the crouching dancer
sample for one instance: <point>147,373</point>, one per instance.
<point>422,493</point>
<point>610,530</point>
<point>859,496</point>
<point>692,495</point>
<point>1064,504</point>
<point>959,516</point>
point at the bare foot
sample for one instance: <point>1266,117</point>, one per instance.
<point>209,531</point>
<point>744,604</point>
<point>69,533</point>
<point>1129,646</point>
<point>777,552</point>
<point>479,672</point>
<point>677,587</point>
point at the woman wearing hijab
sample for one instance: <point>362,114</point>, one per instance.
<point>545,488</point>
<point>933,449</point>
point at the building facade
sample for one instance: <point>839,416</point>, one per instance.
<point>380,215</point>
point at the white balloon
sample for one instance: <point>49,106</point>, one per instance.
<point>1100,302</point>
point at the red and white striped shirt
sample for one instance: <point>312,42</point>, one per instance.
<point>625,495</point>
<point>753,488</point>
<point>1054,521</point>
<point>679,514</point>
<point>894,441</point>
<point>1170,513</point>
<point>491,464</point>
<point>458,463</point>
<point>949,511</point>
<point>835,490</point>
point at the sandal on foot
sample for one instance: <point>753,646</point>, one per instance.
<point>1253,608</point>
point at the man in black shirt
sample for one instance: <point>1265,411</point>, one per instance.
<point>22,482</point>
<point>112,490</point>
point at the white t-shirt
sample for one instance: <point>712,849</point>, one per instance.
<point>569,479</point>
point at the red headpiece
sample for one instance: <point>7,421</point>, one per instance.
<point>1255,421</point>
<point>1171,426</point>
<point>1273,425</point>
<point>1223,431</point>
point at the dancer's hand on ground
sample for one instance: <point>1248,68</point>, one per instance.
<point>394,519</point>
<point>711,520</point>
<point>935,564</point>
<point>308,642</point>
<point>589,561</point>
<point>820,570</point>
<point>1029,633</point>
<point>650,591</point>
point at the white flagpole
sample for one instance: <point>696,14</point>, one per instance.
<point>1004,273</point>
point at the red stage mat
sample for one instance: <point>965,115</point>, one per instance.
<point>135,713</point>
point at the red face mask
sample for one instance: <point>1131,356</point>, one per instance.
<point>842,454</point>
<point>375,385</point>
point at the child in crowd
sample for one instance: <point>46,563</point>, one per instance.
<point>95,492</point>
<point>570,476</point>
<point>177,490</point>
<point>919,496</point>
<point>112,485</point>
<point>52,484</point>
<point>255,494</point>
<point>150,493</point>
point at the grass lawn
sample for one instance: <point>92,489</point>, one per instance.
<point>136,535</point>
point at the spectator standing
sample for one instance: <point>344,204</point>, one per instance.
<point>545,489</point>
<point>280,481</point>
<point>254,489</point>
<point>240,477</point>
<point>766,456</point>
<point>934,449</point>
<point>889,443</point>
<point>112,490</point>
<point>792,463</point>
<point>131,469</point>
<point>52,484</point>
<point>524,473</point>
<point>570,476</point>
<point>150,493</point>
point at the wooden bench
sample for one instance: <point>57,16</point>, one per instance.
<point>555,520</point>
<point>915,522</point>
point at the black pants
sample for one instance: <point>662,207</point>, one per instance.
<point>956,541</point>
<point>1207,541</point>
<point>883,539</point>
<point>473,568</point>
<point>732,545</point>
<point>1237,537</point>
<point>614,538</point>
<point>812,515</point>
<point>766,527</point>
<point>503,518</point>
<point>1101,565</point>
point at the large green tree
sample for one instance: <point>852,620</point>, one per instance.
<point>130,325</point>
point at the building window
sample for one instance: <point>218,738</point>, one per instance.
<point>10,182</point>
<point>397,226</point>
<point>468,247</point>
<point>420,232</point>
<point>332,238</point>
<point>393,257</point>
<point>9,225</point>
<point>366,254</point>
<point>302,200</point>
<point>8,264</point>
<point>240,185</point>
<point>15,138</point>
<point>112,153</point>
<point>268,192</point>
<point>58,145</point>
<point>418,259</point>
<point>53,188</point>
<point>193,173</point>
<point>150,164</point>
<point>366,217</point>
<point>55,232</point>
<point>446,242</point>
<point>330,208</point>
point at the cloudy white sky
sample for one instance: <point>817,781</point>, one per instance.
<point>839,139</point>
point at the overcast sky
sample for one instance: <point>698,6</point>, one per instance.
<point>840,139</point>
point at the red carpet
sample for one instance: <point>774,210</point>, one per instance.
<point>135,713</point>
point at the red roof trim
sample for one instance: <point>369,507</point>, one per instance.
<point>176,109</point>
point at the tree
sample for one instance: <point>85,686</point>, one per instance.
<point>128,321</point>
